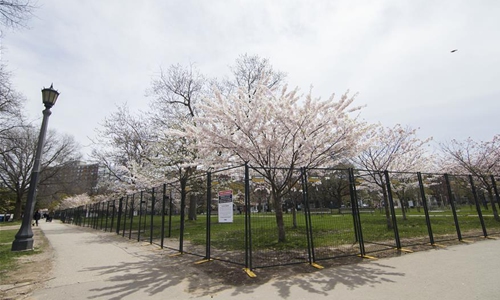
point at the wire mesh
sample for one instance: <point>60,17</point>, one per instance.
<point>410,214</point>
<point>333,233</point>
<point>278,225</point>
<point>227,215</point>
<point>375,214</point>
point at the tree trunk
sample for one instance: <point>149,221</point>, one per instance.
<point>403,209</point>
<point>279,219</point>
<point>386,206</point>
<point>192,208</point>
<point>19,208</point>
<point>294,216</point>
<point>493,206</point>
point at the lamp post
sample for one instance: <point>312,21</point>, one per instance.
<point>24,237</point>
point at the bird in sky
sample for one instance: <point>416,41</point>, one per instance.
<point>454,50</point>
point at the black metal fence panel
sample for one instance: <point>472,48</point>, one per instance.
<point>332,221</point>
<point>226,211</point>
<point>409,209</point>
<point>375,208</point>
<point>278,231</point>
<point>240,216</point>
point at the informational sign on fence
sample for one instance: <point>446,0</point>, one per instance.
<point>226,206</point>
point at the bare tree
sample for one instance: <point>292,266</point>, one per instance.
<point>124,148</point>
<point>10,104</point>
<point>15,13</point>
<point>251,70</point>
<point>176,93</point>
<point>17,163</point>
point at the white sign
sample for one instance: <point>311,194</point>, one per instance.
<point>226,206</point>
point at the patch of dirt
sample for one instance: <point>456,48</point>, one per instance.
<point>30,272</point>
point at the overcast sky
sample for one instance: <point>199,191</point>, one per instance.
<point>394,53</point>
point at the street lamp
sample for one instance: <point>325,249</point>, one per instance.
<point>24,237</point>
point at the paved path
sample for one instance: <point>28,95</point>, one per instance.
<point>94,265</point>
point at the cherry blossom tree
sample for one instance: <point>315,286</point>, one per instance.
<point>480,159</point>
<point>176,95</point>
<point>277,132</point>
<point>394,149</point>
<point>74,201</point>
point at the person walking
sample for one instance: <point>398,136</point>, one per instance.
<point>36,217</point>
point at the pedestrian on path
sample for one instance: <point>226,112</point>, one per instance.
<point>36,217</point>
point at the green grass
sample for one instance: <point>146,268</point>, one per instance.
<point>328,229</point>
<point>7,257</point>
<point>13,223</point>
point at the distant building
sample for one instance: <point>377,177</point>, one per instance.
<point>72,178</point>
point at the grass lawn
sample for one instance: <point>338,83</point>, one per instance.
<point>7,257</point>
<point>329,230</point>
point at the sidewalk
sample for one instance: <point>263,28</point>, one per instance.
<point>90,264</point>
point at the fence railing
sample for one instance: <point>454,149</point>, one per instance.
<point>237,215</point>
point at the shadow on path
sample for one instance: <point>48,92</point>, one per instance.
<point>152,271</point>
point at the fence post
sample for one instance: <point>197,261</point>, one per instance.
<point>118,218</point>
<point>91,216</point>
<point>101,208</point>
<point>307,215</point>
<point>84,215</point>
<point>478,206</point>
<point>393,212</point>
<point>209,214</point>
<point>426,208</point>
<point>113,213</point>
<point>248,227</point>
<point>183,215</point>
<point>355,212</point>
<point>170,208</point>
<point>140,218</point>
<point>125,217</point>
<point>98,214</point>
<point>152,215</point>
<point>163,207</point>
<point>131,217</point>
<point>107,216</point>
<point>95,218</point>
<point>452,204</point>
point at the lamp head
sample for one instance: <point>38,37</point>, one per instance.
<point>49,96</point>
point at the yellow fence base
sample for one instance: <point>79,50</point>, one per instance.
<point>249,272</point>
<point>367,257</point>
<point>317,266</point>
<point>404,250</point>
<point>202,261</point>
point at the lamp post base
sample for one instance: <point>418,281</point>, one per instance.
<point>24,243</point>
